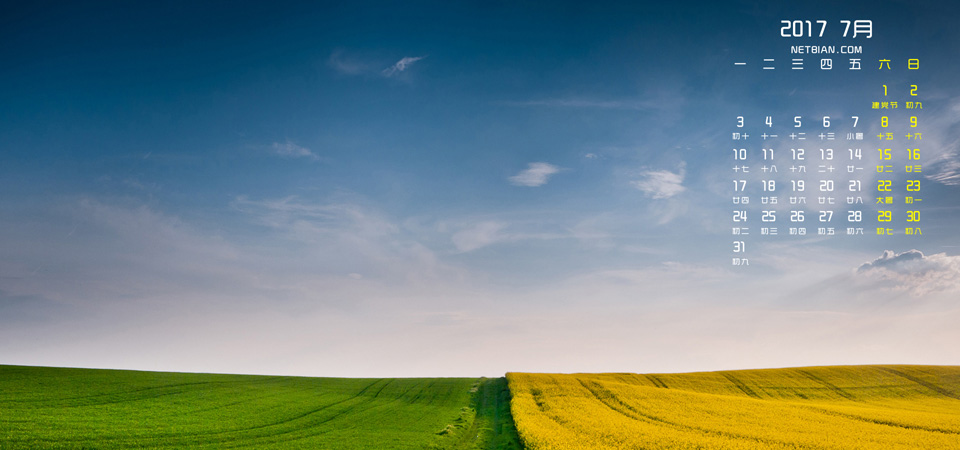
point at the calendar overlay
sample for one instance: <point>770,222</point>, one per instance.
<point>854,176</point>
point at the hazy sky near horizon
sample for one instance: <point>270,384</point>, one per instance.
<point>449,189</point>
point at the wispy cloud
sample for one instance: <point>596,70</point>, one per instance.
<point>661,184</point>
<point>344,237</point>
<point>308,220</point>
<point>290,150</point>
<point>347,65</point>
<point>536,174</point>
<point>114,253</point>
<point>401,65</point>
<point>478,236</point>
<point>583,103</point>
<point>942,150</point>
<point>474,235</point>
<point>946,168</point>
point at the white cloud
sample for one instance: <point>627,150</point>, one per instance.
<point>481,235</point>
<point>536,174</point>
<point>290,150</point>
<point>401,65</point>
<point>914,272</point>
<point>661,184</point>
<point>591,156</point>
<point>896,261</point>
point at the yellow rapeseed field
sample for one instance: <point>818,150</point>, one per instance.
<point>842,407</point>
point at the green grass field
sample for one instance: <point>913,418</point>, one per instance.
<point>85,408</point>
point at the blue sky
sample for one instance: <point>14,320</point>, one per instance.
<point>427,189</point>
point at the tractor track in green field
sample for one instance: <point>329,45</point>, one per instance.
<point>351,411</point>
<point>311,428</point>
<point>471,435</point>
<point>237,438</point>
<point>126,395</point>
<point>110,394</point>
<point>302,433</point>
<point>45,407</point>
<point>225,406</point>
<point>303,415</point>
<point>492,427</point>
<point>316,428</point>
<point>286,421</point>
